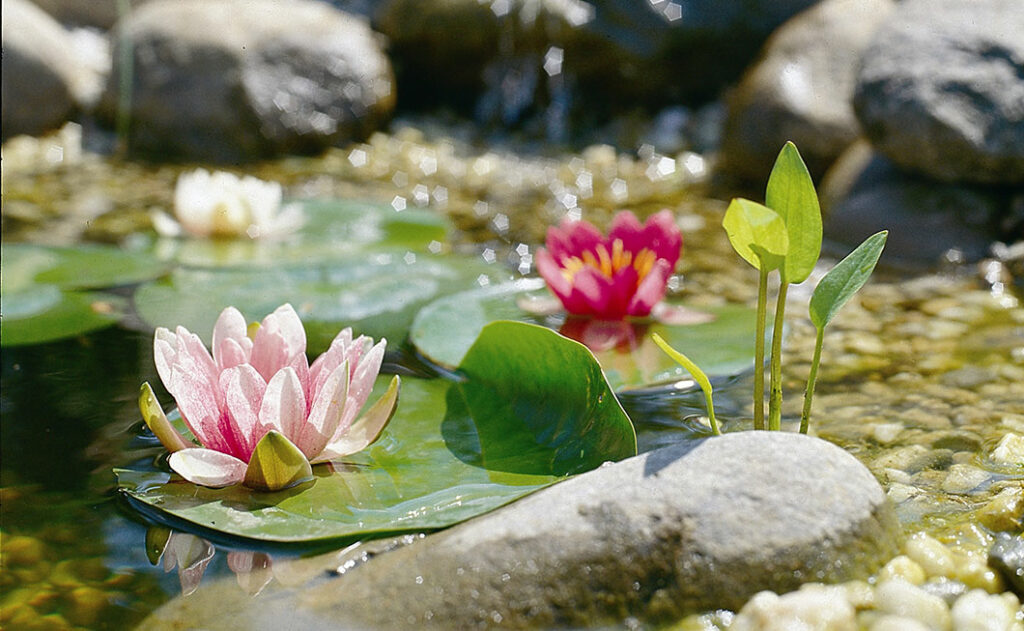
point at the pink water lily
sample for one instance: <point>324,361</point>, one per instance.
<point>610,278</point>
<point>260,411</point>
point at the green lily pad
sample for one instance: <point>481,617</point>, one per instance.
<point>444,330</point>
<point>417,475</point>
<point>80,267</point>
<point>377,295</point>
<point>331,229</point>
<point>35,312</point>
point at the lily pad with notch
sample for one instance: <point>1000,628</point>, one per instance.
<point>720,339</point>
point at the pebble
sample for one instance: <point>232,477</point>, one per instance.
<point>904,568</point>
<point>903,599</point>
<point>85,605</point>
<point>897,623</point>
<point>1010,450</point>
<point>817,607</point>
<point>1007,556</point>
<point>964,478</point>
<point>21,550</point>
<point>979,611</point>
<point>933,557</point>
<point>1005,512</point>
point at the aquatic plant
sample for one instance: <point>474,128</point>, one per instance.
<point>223,205</point>
<point>610,278</point>
<point>260,411</point>
<point>784,235</point>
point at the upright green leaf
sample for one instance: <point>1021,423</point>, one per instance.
<point>791,194</point>
<point>527,392</point>
<point>843,280</point>
<point>757,233</point>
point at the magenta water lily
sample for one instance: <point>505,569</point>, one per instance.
<point>262,414</point>
<point>615,276</point>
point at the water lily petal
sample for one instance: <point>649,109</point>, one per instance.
<point>244,390</point>
<point>651,290</point>
<point>252,570</point>
<point>157,421</point>
<point>276,464</point>
<point>361,384</point>
<point>279,339</point>
<point>197,403</point>
<point>330,359</point>
<point>326,413</point>
<point>551,272</point>
<point>364,431</point>
<point>231,343</point>
<point>284,404</point>
<point>572,238</point>
<point>191,554</point>
<point>165,350</point>
<point>207,467</point>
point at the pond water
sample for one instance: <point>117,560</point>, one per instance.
<point>922,376</point>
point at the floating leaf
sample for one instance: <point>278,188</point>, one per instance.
<point>408,480</point>
<point>331,230</point>
<point>44,313</point>
<point>791,194</point>
<point>444,330</point>
<point>525,390</point>
<point>757,233</point>
<point>843,280</point>
<point>376,295</point>
<point>80,267</point>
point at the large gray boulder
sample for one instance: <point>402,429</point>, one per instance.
<point>43,79</point>
<point>95,13</point>
<point>613,55</point>
<point>929,222</point>
<point>801,90</point>
<point>941,90</point>
<point>236,80</point>
<point>689,527</point>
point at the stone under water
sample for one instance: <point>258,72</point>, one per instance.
<point>689,527</point>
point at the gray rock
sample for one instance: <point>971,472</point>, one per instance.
<point>941,90</point>
<point>616,54</point>
<point>864,192</point>
<point>689,527</point>
<point>235,80</point>
<point>1007,556</point>
<point>42,77</point>
<point>96,13</point>
<point>801,90</point>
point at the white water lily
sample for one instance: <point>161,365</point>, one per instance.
<point>224,205</point>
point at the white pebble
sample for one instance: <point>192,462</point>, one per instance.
<point>1010,450</point>
<point>902,567</point>
<point>979,611</point>
<point>897,623</point>
<point>963,478</point>
<point>900,598</point>
<point>933,557</point>
<point>813,608</point>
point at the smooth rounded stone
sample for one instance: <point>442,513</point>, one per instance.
<point>685,528</point>
<point>961,479</point>
<point>900,598</point>
<point>801,90</point>
<point>933,557</point>
<point>897,623</point>
<point>980,611</point>
<point>1004,512</point>
<point>904,568</point>
<point>818,607</point>
<point>1010,450</point>
<point>941,91</point>
<point>1007,556</point>
<point>42,77</point>
<point>615,54</point>
<point>239,80</point>
<point>863,192</point>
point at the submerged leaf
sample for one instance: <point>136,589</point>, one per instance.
<point>791,194</point>
<point>757,233</point>
<point>277,464</point>
<point>843,280</point>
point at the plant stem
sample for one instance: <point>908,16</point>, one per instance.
<point>775,397</point>
<point>762,316</point>
<point>805,418</point>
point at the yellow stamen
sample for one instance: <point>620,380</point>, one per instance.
<point>644,262</point>
<point>606,261</point>
<point>610,264</point>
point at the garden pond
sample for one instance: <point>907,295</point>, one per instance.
<point>922,374</point>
